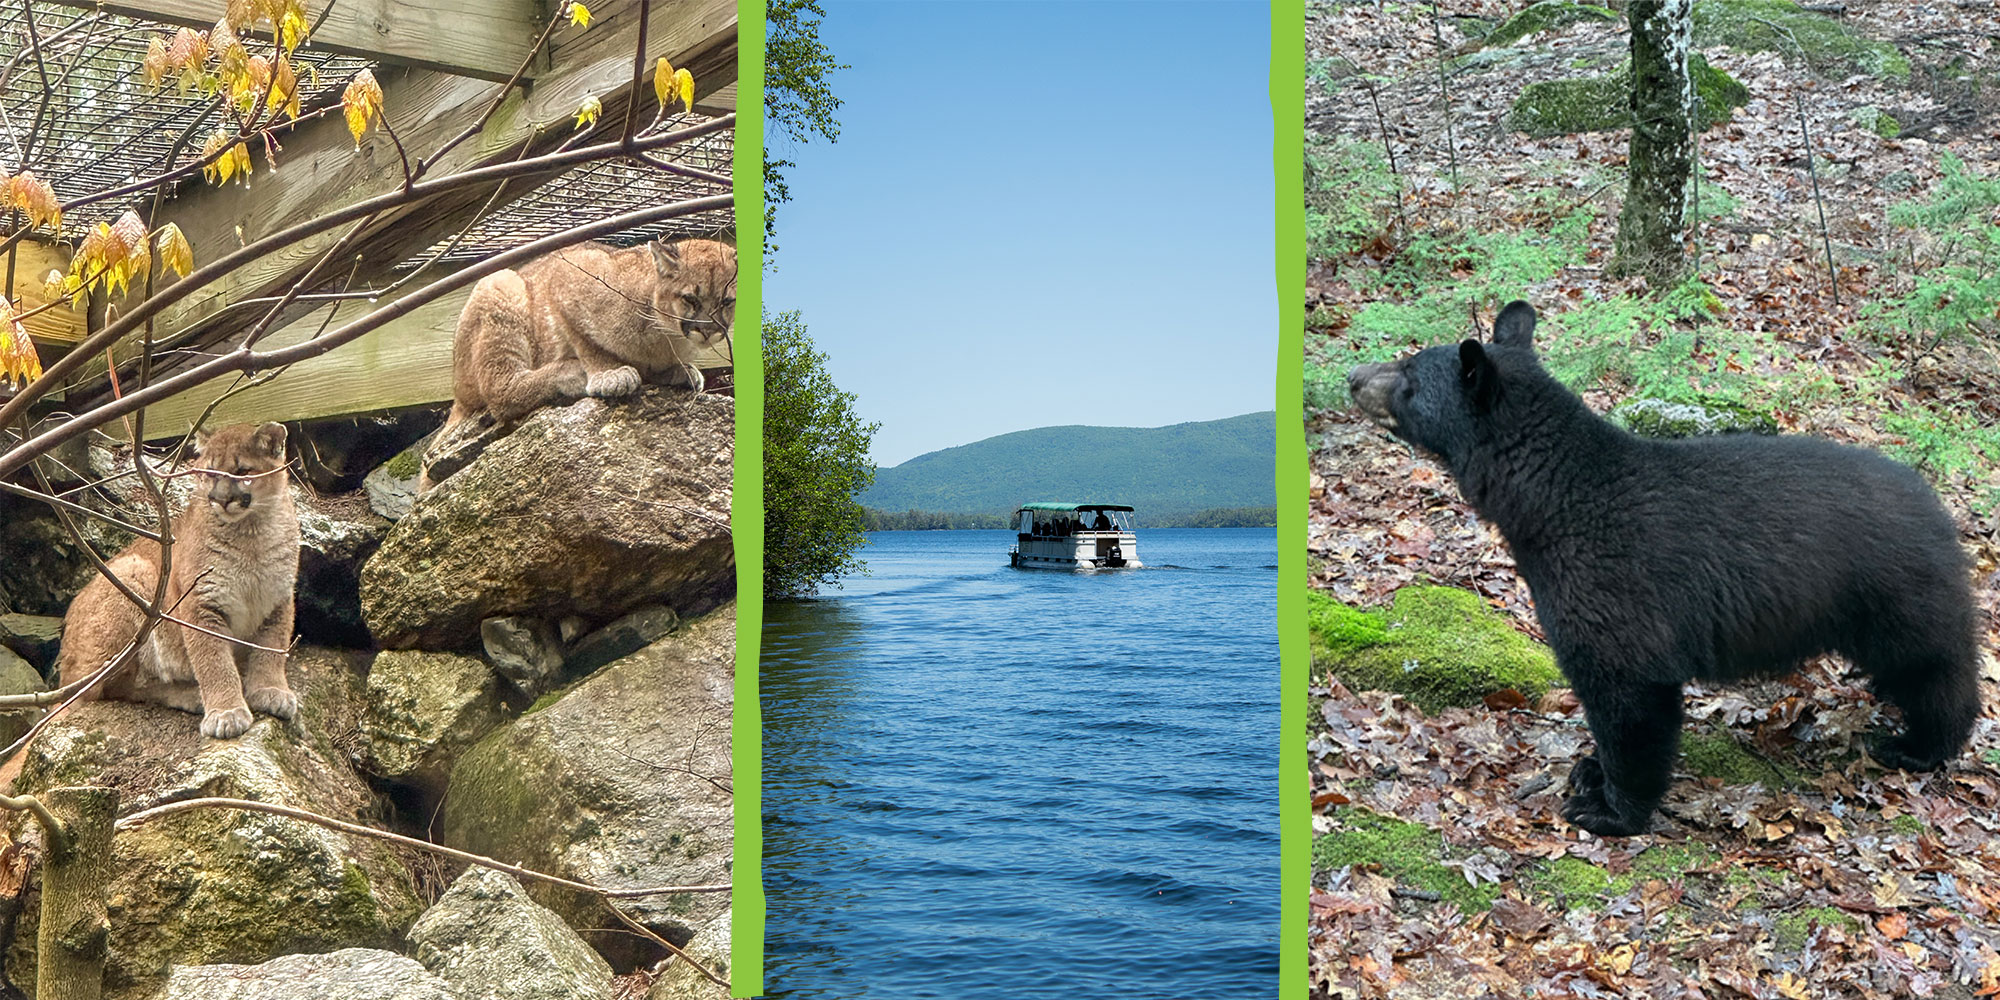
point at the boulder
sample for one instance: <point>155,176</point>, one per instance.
<point>332,547</point>
<point>425,709</point>
<point>221,885</point>
<point>679,980</point>
<point>589,509</point>
<point>620,782</point>
<point>37,638</point>
<point>488,939</point>
<point>620,639</point>
<point>347,974</point>
<point>18,676</point>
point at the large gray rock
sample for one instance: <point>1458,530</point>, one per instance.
<point>620,783</point>
<point>679,980</point>
<point>347,974</point>
<point>589,509</point>
<point>488,939</point>
<point>425,709</point>
<point>36,637</point>
<point>220,885</point>
<point>18,676</point>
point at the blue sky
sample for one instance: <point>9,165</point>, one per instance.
<point>1038,213</point>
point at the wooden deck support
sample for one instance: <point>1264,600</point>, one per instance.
<point>478,38</point>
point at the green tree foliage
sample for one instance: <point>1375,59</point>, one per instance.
<point>815,463</point>
<point>797,101</point>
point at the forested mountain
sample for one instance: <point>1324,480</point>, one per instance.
<point>1163,471</point>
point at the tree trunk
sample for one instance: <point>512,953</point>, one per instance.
<point>1652,228</point>
<point>74,932</point>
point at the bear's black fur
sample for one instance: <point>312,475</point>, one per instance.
<point>1658,562</point>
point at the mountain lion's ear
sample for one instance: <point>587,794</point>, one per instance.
<point>666,257</point>
<point>271,439</point>
<point>199,443</point>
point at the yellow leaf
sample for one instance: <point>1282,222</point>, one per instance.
<point>1792,986</point>
<point>213,172</point>
<point>19,364</point>
<point>175,251</point>
<point>361,102</point>
<point>579,15</point>
<point>684,80</point>
<point>663,80</point>
<point>587,113</point>
<point>52,286</point>
<point>241,154</point>
<point>35,199</point>
<point>292,30</point>
<point>155,64</point>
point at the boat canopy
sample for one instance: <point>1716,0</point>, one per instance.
<point>1048,505</point>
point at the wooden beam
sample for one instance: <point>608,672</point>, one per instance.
<point>321,167</point>
<point>479,38</point>
<point>405,363</point>
<point>32,263</point>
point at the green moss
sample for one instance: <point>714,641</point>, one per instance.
<point>1716,754</point>
<point>1407,852</point>
<point>1878,121</point>
<point>405,465</point>
<point>1579,883</point>
<point>1544,16</point>
<point>1907,825</point>
<point>1792,929</point>
<point>1781,26</point>
<point>1437,646</point>
<point>1658,418</point>
<point>543,702</point>
<point>1603,103</point>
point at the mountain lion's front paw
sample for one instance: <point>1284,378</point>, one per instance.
<point>621,381</point>
<point>226,724</point>
<point>274,701</point>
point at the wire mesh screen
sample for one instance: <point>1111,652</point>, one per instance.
<point>75,110</point>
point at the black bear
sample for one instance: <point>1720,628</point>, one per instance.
<point>1653,563</point>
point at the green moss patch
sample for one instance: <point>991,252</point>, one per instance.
<point>1907,825</point>
<point>1602,103</point>
<point>1717,755</point>
<point>1792,929</point>
<point>1574,882</point>
<point>1781,26</point>
<point>1547,15</point>
<point>1407,852</point>
<point>1658,418</point>
<point>1437,646</point>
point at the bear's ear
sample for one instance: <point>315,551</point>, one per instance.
<point>1515,326</point>
<point>1477,376</point>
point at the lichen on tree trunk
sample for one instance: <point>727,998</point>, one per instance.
<point>1652,227</point>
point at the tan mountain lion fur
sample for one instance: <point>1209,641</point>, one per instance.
<point>235,562</point>
<point>589,320</point>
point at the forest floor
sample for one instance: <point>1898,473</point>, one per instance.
<point>1799,867</point>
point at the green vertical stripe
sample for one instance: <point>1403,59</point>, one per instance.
<point>746,959</point>
<point>1288,119</point>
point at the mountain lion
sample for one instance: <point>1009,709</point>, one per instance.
<point>235,561</point>
<point>589,320</point>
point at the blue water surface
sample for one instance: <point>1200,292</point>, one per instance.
<point>988,782</point>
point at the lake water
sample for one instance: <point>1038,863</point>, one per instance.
<point>988,782</point>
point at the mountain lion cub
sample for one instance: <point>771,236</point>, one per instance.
<point>235,560</point>
<point>589,320</point>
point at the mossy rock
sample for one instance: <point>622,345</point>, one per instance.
<point>1716,754</point>
<point>1547,15</point>
<point>1603,103</point>
<point>1783,27</point>
<point>1408,852</point>
<point>1658,418</point>
<point>1574,882</point>
<point>1437,646</point>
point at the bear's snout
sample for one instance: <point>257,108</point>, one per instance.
<point>1371,385</point>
